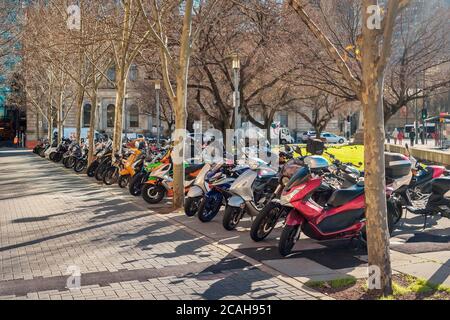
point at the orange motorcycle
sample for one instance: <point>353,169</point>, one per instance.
<point>160,183</point>
<point>131,165</point>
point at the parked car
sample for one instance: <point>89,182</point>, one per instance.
<point>308,135</point>
<point>332,138</point>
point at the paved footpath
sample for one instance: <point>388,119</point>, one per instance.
<point>53,221</point>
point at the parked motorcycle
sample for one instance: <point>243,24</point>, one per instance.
<point>198,190</point>
<point>250,193</point>
<point>160,183</point>
<point>140,178</point>
<point>438,201</point>
<point>343,216</point>
<point>103,149</point>
<point>81,162</point>
<point>219,183</point>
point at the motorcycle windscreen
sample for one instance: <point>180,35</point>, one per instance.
<point>300,177</point>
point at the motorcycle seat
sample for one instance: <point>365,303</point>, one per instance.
<point>342,196</point>
<point>192,168</point>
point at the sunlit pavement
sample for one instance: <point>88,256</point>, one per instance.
<point>52,219</point>
<point>53,222</point>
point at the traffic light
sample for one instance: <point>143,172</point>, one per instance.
<point>424,114</point>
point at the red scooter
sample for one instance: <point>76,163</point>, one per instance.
<point>343,216</point>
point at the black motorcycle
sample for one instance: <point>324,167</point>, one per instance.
<point>438,202</point>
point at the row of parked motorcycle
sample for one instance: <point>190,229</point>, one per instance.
<point>323,199</point>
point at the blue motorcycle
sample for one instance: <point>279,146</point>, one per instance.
<point>219,183</point>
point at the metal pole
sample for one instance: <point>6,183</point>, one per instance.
<point>236,101</point>
<point>158,115</point>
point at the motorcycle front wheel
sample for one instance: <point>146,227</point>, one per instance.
<point>123,181</point>
<point>209,209</point>
<point>101,170</point>
<point>153,194</point>
<point>289,237</point>
<point>70,162</point>
<point>135,186</point>
<point>265,222</point>
<point>192,205</point>
<point>92,168</point>
<point>231,218</point>
<point>110,176</point>
<point>80,165</point>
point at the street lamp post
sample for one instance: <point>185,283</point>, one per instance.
<point>416,124</point>
<point>236,98</point>
<point>158,113</point>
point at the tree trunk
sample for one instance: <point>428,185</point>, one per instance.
<point>118,120</point>
<point>374,134</point>
<point>38,133</point>
<point>92,126</point>
<point>180,105</point>
<point>80,98</point>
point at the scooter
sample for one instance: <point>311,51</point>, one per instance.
<point>438,202</point>
<point>101,150</point>
<point>250,193</point>
<point>198,190</point>
<point>140,178</point>
<point>81,161</point>
<point>160,183</point>
<point>419,186</point>
<point>343,216</point>
<point>219,183</point>
<point>132,164</point>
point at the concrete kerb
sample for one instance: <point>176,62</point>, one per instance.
<point>225,248</point>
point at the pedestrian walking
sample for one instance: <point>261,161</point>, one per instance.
<point>400,137</point>
<point>395,135</point>
<point>16,141</point>
<point>388,137</point>
<point>412,137</point>
<point>436,138</point>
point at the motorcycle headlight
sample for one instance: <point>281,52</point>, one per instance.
<point>286,198</point>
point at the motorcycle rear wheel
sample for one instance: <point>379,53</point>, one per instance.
<point>265,222</point>
<point>153,194</point>
<point>288,239</point>
<point>231,218</point>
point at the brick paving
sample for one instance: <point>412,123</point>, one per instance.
<point>52,219</point>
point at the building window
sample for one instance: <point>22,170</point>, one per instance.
<point>133,74</point>
<point>111,74</point>
<point>134,116</point>
<point>284,119</point>
<point>87,115</point>
<point>110,115</point>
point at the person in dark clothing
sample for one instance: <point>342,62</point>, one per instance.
<point>412,137</point>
